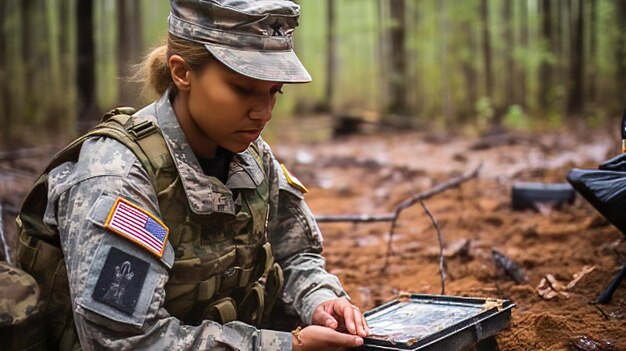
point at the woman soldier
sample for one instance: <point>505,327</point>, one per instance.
<point>177,227</point>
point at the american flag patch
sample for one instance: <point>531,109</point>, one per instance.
<point>137,225</point>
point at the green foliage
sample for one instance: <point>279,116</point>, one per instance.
<point>516,119</point>
<point>484,113</point>
<point>445,53</point>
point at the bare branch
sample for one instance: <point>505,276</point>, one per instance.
<point>26,153</point>
<point>359,218</point>
<point>5,247</point>
<point>391,217</point>
<point>439,188</point>
<point>442,267</point>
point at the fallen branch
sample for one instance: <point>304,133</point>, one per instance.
<point>387,217</point>
<point>493,141</point>
<point>439,188</point>
<point>26,153</point>
<point>5,245</point>
<point>391,217</point>
<point>508,268</point>
<point>442,267</point>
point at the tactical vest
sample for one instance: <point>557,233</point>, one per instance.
<point>222,275</point>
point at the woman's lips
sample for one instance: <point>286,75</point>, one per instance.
<point>251,134</point>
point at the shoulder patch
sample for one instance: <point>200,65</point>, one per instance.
<point>137,225</point>
<point>121,281</point>
<point>293,181</point>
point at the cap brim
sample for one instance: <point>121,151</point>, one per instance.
<point>273,66</point>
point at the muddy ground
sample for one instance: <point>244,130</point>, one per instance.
<point>370,174</point>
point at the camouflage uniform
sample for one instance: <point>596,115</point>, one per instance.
<point>20,321</point>
<point>79,196</point>
<point>125,295</point>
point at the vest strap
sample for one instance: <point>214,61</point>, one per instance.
<point>250,310</point>
<point>273,286</point>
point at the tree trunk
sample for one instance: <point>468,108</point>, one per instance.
<point>397,33</point>
<point>448,106</point>
<point>5,95</point>
<point>381,41</point>
<point>469,70</point>
<point>510,84</point>
<point>545,70</point>
<point>28,43</point>
<point>523,68</point>
<point>484,15</point>
<point>129,48</point>
<point>577,62</point>
<point>331,61</point>
<point>593,30</point>
<point>562,38</point>
<point>620,50</point>
<point>65,57</point>
<point>85,65</point>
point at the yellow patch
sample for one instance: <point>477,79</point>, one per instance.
<point>291,179</point>
<point>137,225</point>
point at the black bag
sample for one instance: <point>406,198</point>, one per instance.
<point>604,188</point>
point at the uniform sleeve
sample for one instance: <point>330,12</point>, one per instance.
<point>117,286</point>
<point>297,244</point>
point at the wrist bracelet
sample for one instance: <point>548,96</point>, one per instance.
<point>296,333</point>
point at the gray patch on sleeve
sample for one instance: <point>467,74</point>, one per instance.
<point>155,270</point>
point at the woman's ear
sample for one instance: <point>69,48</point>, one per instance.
<point>180,72</point>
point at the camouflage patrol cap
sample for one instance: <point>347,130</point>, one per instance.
<point>251,37</point>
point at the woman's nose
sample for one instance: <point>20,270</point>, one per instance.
<point>262,110</point>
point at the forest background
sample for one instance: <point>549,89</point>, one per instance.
<point>473,66</point>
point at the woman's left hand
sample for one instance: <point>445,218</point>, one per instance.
<point>341,312</point>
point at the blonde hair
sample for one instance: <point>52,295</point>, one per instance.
<point>154,73</point>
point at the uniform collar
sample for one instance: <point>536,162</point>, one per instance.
<point>205,194</point>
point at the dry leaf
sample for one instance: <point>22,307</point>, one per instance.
<point>549,287</point>
<point>578,276</point>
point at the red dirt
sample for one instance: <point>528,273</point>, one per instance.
<point>370,174</point>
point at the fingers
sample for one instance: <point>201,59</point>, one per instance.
<point>341,313</point>
<point>318,338</point>
<point>326,320</point>
<point>359,321</point>
<point>348,317</point>
<point>353,319</point>
<point>343,340</point>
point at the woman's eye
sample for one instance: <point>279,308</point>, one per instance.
<point>242,90</point>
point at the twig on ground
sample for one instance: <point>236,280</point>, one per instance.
<point>391,217</point>
<point>26,153</point>
<point>363,218</point>
<point>425,195</point>
<point>442,267</point>
<point>395,215</point>
<point>5,245</point>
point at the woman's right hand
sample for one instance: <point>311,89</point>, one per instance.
<point>315,337</point>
